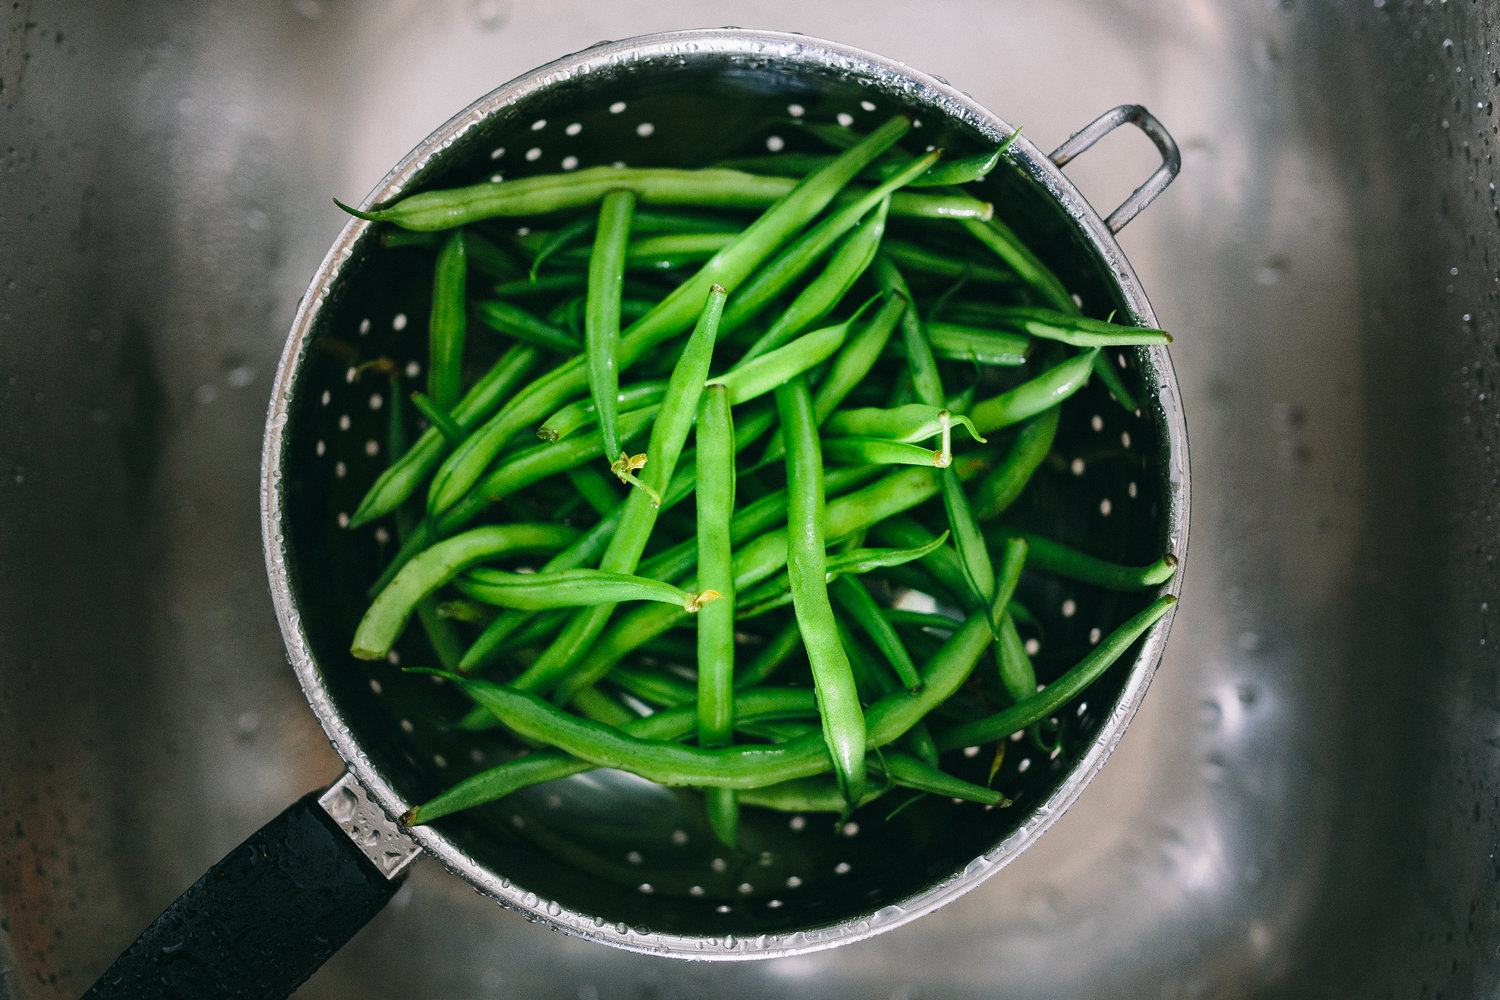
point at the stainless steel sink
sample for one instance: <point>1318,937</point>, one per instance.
<point>1306,804</point>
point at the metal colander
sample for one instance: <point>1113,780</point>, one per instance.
<point>603,854</point>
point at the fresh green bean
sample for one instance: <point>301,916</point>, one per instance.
<point>1061,691</point>
<point>850,594</point>
<point>559,239</point>
<point>536,768</point>
<point>1078,331</point>
<point>1034,395</point>
<point>1002,484</point>
<point>733,767</point>
<point>573,588</point>
<point>595,487</point>
<point>817,299</point>
<point>513,321</point>
<point>778,273</point>
<point>437,417</point>
<point>402,477</point>
<point>849,367</point>
<point>447,323</point>
<point>912,422</point>
<point>580,413</point>
<point>1052,556</point>
<point>728,268</point>
<point>386,617</point>
<point>759,376</point>
<point>1004,243</point>
<point>678,410</point>
<point>838,702</point>
<point>880,451</point>
<point>973,551</point>
<point>715,648</point>
<point>538,462</point>
<point>919,359</point>
<point>601,323</point>
<point>776,592</point>
<point>545,193</point>
<point>956,342</point>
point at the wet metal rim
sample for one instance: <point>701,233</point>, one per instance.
<point>913,87</point>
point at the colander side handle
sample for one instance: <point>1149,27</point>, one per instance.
<point>1127,114</point>
<point>262,920</point>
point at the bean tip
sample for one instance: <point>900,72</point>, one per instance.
<point>367,216</point>
<point>409,818</point>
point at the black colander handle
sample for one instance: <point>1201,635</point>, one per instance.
<point>263,919</point>
<point>1127,114</point>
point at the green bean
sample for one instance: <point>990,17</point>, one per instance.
<point>919,359</point>
<point>852,596</point>
<point>547,284</point>
<point>1061,691</point>
<point>403,476</point>
<point>732,767</point>
<point>728,268</point>
<point>513,321</point>
<point>572,588</point>
<point>956,342</point>
<point>1051,556</point>
<point>764,556</point>
<point>536,768</point>
<point>544,193</point>
<point>880,451</point>
<point>678,410</point>
<point>916,258</point>
<point>437,417</point>
<point>973,552</point>
<point>382,624</point>
<point>1002,484</point>
<point>666,250</point>
<point>817,299</point>
<point>964,170</point>
<point>531,465</point>
<point>582,412</point>
<point>760,375</point>
<point>1017,673</point>
<point>913,422</point>
<point>1034,395</point>
<point>792,262</point>
<point>1004,243</point>
<point>854,561</point>
<point>595,488</point>
<point>715,648</point>
<point>602,317</point>
<point>446,323</point>
<point>766,513</point>
<point>771,657</point>
<point>715,500</point>
<point>555,241</point>
<point>843,720</point>
<point>1079,331</point>
<point>850,366</point>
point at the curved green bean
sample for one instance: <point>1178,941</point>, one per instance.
<point>1061,691</point>
<point>382,624</point>
<point>601,323</point>
<point>807,558</point>
<point>447,322</point>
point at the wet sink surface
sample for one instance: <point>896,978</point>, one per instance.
<point>1305,805</point>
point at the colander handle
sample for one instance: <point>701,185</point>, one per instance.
<point>263,919</point>
<point>1127,114</point>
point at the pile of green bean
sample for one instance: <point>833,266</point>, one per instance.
<point>837,372</point>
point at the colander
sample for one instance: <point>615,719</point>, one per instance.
<point>605,855</point>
